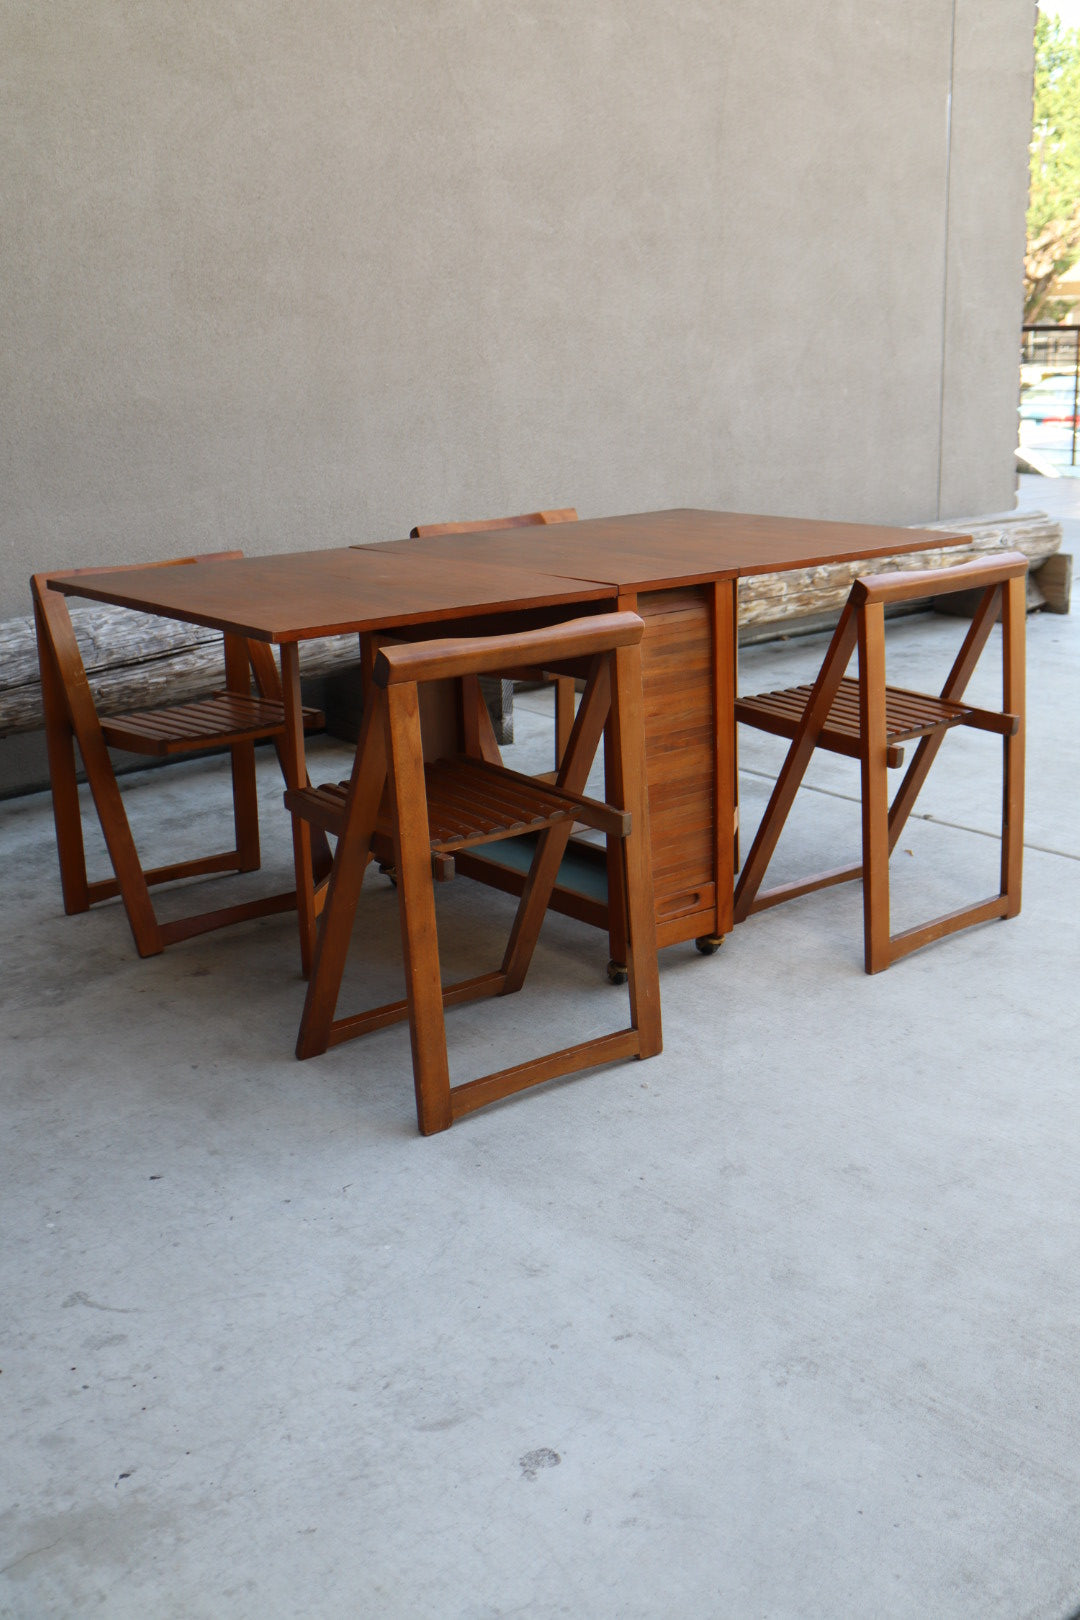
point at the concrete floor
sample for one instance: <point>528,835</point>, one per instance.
<point>782,1323</point>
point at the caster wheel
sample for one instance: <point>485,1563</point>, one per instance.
<point>616,972</point>
<point>709,944</point>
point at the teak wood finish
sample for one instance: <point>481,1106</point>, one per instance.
<point>429,811</point>
<point>563,684</point>
<point>688,658</point>
<point>688,652</point>
<point>685,546</point>
<point>869,720</point>
<point>688,655</point>
<point>234,718</point>
<point>676,568</point>
<point>300,595</point>
<point>304,595</point>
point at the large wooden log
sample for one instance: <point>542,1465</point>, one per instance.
<point>803,596</point>
<point>133,661</point>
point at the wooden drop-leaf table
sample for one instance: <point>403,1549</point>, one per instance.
<point>678,569</point>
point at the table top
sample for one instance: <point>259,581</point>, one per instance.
<point>299,595</point>
<point>302,594</point>
<point>652,550</point>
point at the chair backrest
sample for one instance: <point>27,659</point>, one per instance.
<point>912,585</point>
<point>478,655</point>
<point>564,687</point>
<point>525,520</point>
<point>159,562</point>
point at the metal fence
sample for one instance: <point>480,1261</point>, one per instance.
<point>1054,351</point>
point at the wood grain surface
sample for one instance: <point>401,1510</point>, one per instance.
<point>323,593</point>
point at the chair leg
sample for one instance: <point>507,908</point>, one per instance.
<point>1013,629</point>
<point>573,775</point>
<point>332,943</point>
<point>416,906</point>
<point>532,907</point>
<point>875,794</point>
<point>60,743</point>
<point>618,927</point>
<point>269,684</point>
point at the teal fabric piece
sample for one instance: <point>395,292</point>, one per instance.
<point>582,870</point>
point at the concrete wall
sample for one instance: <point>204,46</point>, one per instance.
<point>282,276</point>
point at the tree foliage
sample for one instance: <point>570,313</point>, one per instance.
<point>1053,220</point>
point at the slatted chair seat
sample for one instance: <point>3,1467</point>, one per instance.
<point>868,720</point>
<point>469,803</point>
<point>907,715</point>
<point>213,722</point>
<point>421,814</point>
<point>235,718</point>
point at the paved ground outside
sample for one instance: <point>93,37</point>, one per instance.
<point>781,1324</point>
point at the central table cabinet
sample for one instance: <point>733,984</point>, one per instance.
<point>687,676</point>
<point>689,742</point>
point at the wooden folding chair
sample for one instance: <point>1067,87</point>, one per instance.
<point>868,720</point>
<point>234,718</point>
<point>421,814</point>
<point>563,684</point>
